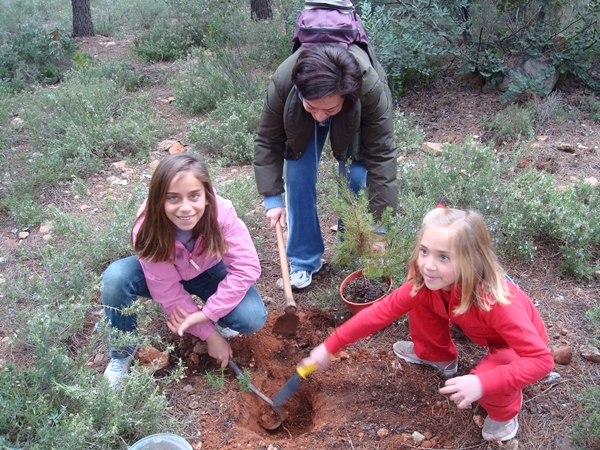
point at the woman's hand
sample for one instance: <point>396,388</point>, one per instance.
<point>219,348</point>
<point>181,320</point>
<point>463,390</point>
<point>276,214</point>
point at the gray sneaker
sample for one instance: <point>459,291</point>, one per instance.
<point>500,431</point>
<point>300,279</point>
<point>406,351</point>
<point>227,333</point>
<point>117,369</point>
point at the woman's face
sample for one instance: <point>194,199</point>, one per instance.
<point>323,108</point>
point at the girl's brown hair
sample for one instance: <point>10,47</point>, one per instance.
<point>155,239</point>
<point>480,275</point>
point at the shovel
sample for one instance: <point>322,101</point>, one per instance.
<point>293,384</point>
<point>233,366</point>
<point>288,322</point>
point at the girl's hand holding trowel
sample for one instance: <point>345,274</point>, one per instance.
<point>319,356</point>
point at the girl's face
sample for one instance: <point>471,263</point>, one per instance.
<point>434,260</point>
<point>185,201</point>
<point>325,107</point>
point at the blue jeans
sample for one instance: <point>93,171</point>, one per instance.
<point>305,243</point>
<point>123,282</point>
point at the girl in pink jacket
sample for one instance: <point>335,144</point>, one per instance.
<point>455,278</point>
<point>187,240</point>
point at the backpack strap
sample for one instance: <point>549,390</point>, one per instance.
<point>342,6</point>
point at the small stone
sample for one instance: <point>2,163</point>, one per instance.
<point>435,148</point>
<point>565,147</point>
<point>200,348</point>
<point>194,405</point>
<point>426,444</point>
<point>343,355</point>
<point>590,353</point>
<point>23,234</point>
<point>478,420</point>
<point>120,164</point>
<point>111,44</point>
<point>165,145</point>
<point>417,437</point>
<point>564,331</point>
<point>152,359</point>
<point>563,354</point>
<point>383,432</point>
<point>45,228</point>
<point>176,148</point>
<point>188,388</point>
<point>552,377</point>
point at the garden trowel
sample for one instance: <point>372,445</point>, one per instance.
<point>288,322</point>
<point>293,384</point>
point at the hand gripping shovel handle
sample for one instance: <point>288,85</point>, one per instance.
<point>290,304</point>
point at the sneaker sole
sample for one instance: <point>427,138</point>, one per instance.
<point>447,373</point>
<point>505,438</point>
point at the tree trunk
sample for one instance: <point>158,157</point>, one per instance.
<point>260,9</point>
<point>82,18</point>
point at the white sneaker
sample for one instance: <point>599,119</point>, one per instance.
<point>227,333</point>
<point>500,431</point>
<point>300,279</point>
<point>117,368</point>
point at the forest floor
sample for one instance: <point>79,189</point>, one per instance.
<point>368,398</point>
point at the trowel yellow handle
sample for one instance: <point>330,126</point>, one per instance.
<point>306,370</point>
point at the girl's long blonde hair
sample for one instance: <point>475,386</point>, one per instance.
<point>155,239</point>
<point>480,275</point>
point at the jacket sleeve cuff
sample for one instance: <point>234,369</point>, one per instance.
<point>275,201</point>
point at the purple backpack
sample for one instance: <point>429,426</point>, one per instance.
<point>329,21</point>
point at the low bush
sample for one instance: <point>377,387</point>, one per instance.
<point>228,132</point>
<point>594,108</point>
<point>513,123</point>
<point>520,208</point>
<point>73,129</point>
<point>407,134</point>
<point>57,397</point>
<point>208,78</point>
<point>34,55</point>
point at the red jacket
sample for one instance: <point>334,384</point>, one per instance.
<point>517,325</point>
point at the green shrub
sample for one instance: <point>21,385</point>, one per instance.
<point>73,129</point>
<point>56,398</point>
<point>520,209</point>
<point>228,132</point>
<point>594,108</point>
<point>586,430</point>
<point>207,78</point>
<point>513,123</point>
<point>32,55</point>
<point>407,134</point>
<point>411,37</point>
<point>241,190</point>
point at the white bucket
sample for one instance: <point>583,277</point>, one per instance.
<point>161,441</point>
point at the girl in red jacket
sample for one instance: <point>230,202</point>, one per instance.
<point>455,278</point>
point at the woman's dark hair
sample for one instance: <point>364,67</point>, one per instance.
<point>155,239</point>
<point>327,69</point>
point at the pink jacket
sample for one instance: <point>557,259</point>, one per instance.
<point>243,267</point>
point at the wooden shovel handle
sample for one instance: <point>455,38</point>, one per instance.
<point>290,304</point>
